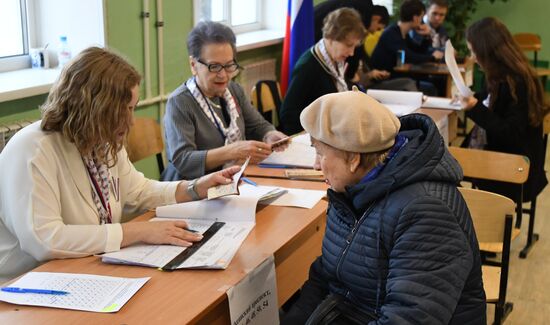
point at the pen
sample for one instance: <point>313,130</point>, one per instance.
<point>249,181</point>
<point>40,291</point>
<point>191,230</point>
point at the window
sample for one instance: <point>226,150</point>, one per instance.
<point>386,3</point>
<point>13,35</point>
<point>241,15</point>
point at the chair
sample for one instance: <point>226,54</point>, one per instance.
<point>531,236</point>
<point>144,140</point>
<point>492,216</point>
<point>529,42</point>
<point>495,166</point>
<point>266,97</point>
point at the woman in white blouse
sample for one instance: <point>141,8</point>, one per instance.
<point>66,181</point>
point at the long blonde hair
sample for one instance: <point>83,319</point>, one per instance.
<point>89,103</point>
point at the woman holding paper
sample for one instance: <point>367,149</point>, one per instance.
<point>66,181</point>
<point>321,69</point>
<point>509,114</point>
<point>209,121</point>
<point>399,245</point>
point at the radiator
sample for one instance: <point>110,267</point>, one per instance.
<point>8,130</point>
<point>262,70</point>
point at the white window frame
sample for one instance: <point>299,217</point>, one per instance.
<point>238,29</point>
<point>21,61</point>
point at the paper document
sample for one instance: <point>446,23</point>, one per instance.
<point>238,213</point>
<point>441,103</point>
<point>228,189</point>
<point>103,294</point>
<point>455,73</point>
<point>299,153</point>
<point>399,102</point>
<point>292,197</point>
<point>216,253</point>
<point>253,301</point>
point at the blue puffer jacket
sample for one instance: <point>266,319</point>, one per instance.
<point>403,245</point>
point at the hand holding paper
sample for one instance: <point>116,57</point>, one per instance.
<point>455,73</point>
<point>228,189</point>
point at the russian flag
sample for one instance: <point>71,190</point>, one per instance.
<point>298,38</point>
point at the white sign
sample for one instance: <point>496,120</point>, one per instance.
<point>254,299</point>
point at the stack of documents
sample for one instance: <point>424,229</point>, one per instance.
<point>399,102</point>
<point>237,212</point>
<point>299,154</point>
<point>103,294</point>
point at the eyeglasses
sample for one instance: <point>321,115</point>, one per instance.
<point>216,67</point>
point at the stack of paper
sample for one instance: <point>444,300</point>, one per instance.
<point>399,102</point>
<point>104,294</point>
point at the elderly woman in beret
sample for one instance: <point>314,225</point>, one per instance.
<point>209,121</point>
<point>399,246</point>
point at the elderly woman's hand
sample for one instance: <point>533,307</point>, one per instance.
<point>241,150</point>
<point>272,137</point>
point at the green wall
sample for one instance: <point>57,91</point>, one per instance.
<point>521,16</point>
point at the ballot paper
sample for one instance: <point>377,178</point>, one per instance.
<point>96,293</point>
<point>292,197</point>
<point>399,102</point>
<point>216,253</point>
<point>299,153</point>
<point>450,60</point>
<point>228,189</point>
<point>441,103</point>
<point>237,212</point>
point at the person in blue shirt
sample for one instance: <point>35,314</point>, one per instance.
<point>396,37</point>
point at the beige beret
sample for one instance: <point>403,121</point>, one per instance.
<point>351,121</point>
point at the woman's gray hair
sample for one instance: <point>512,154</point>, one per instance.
<point>208,32</point>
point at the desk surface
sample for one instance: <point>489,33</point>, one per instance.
<point>197,296</point>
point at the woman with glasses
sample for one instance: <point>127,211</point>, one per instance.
<point>321,70</point>
<point>209,120</point>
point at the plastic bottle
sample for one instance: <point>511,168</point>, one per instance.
<point>64,53</point>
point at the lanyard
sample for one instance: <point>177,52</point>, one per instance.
<point>106,205</point>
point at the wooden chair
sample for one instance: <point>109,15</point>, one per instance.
<point>266,97</point>
<point>529,42</point>
<point>144,140</point>
<point>495,166</point>
<point>532,237</point>
<point>492,216</point>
